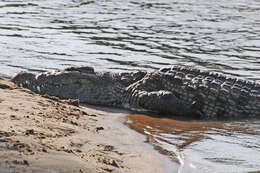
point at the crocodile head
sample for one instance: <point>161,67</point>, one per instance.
<point>81,83</point>
<point>23,79</point>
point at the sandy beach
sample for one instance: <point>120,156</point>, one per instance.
<point>45,134</point>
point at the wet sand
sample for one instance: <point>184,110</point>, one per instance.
<point>49,135</point>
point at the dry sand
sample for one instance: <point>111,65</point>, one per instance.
<point>48,135</point>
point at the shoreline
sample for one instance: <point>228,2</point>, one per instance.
<point>43,135</point>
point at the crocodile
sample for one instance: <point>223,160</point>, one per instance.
<point>178,90</point>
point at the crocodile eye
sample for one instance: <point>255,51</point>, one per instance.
<point>164,69</point>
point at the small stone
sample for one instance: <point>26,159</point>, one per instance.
<point>99,128</point>
<point>12,116</point>
<point>108,148</point>
<point>29,132</point>
<point>26,162</point>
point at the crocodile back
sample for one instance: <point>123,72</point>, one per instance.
<point>213,95</point>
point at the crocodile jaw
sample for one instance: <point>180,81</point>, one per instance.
<point>91,88</point>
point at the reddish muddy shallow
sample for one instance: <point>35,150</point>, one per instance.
<point>203,146</point>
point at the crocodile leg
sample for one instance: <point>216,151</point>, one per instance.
<point>162,102</point>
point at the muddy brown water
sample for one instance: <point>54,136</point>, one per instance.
<point>199,146</point>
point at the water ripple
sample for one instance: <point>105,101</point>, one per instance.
<point>221,36</point>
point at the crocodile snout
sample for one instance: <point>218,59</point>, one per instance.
<point>23,78</point>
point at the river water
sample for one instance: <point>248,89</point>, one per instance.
<point>203,147</point>
<point>126,35</point>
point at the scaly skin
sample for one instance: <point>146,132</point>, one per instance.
<point>183,91</point>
